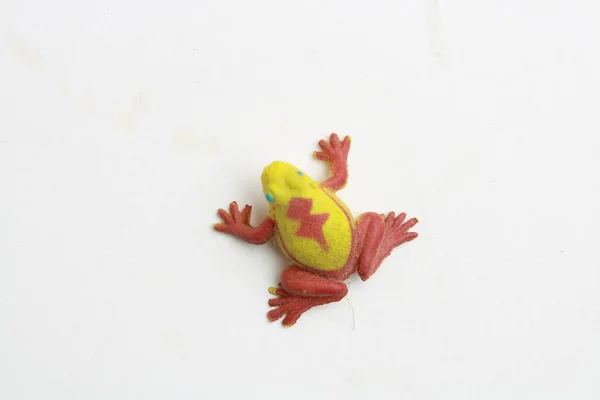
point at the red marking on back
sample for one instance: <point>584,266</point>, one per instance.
<point>311,226</point>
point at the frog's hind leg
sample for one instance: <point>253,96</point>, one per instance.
<point>378,236</point>
<point>300,290</point>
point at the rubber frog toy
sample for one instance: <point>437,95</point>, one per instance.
<point>317,232</point>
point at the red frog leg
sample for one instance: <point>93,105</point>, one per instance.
<point>237,223</point>
<point>335,152</point>
<point>300,291</point>
<point>378,236</point>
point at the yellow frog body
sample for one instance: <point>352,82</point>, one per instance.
<point>314,227</point>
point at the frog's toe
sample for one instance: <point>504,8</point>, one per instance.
<point>291,318</point>
<point>319,155</point>
<point>278,312</point>
<point>277,301</point>
<point>278,291</point>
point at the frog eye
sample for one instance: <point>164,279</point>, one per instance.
<point>269,197</point>
<point>299,173</point>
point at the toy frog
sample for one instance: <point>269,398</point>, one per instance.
<point>317,232</point>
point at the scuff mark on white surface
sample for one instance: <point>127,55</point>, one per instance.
<point>435,33</point>
<point>25,52</point>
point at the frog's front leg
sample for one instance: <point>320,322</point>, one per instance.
<point>336,154</point>
<point>237,223</point>
<point>300,290</point>
<point>378,236</point>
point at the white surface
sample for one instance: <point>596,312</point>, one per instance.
<point>126,124</point>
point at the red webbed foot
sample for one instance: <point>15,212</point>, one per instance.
<point>300,291</point>
<point>378,236</point>
<point>234,220</point>
<point>293,306</point>
<point>237,223</point>
<point>334,150</point>
<point>396,230</point>
<point>289,305</point>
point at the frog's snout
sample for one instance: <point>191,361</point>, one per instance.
<point>278,182</point>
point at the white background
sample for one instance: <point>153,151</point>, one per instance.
<point>124,125</point>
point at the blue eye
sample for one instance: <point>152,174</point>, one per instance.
<point>299,173</point>
<point>269,197</point>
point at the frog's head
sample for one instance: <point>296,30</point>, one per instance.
<point>282,181</point>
